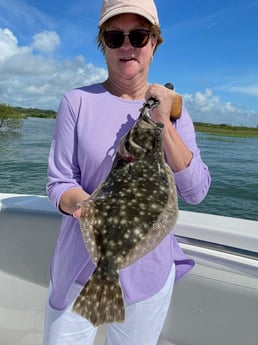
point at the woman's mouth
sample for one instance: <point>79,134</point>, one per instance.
<point>127,59</point>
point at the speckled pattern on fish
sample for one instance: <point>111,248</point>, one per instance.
<point>127,216</point>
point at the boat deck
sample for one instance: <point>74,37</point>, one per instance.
<point>216,303</point>
<point>24,323</point>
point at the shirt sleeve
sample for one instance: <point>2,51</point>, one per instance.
<point>63,168</point>
<point>194,181</point>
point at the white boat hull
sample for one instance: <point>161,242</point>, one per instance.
<point>216,303</point>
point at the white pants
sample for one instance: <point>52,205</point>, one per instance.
<point>143,321</point>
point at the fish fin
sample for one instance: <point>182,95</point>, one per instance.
<point>100,302</point>
<point>160,229</point>
<point>87,220</point>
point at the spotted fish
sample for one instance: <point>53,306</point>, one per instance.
<point>126,217</point>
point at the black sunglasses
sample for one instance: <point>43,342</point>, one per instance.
<point>138,38</point>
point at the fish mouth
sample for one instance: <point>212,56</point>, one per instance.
<point>148,122</point>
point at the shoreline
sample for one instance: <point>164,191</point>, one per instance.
<point>226,130</point>
<point>202,127</point>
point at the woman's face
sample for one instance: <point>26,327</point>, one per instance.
<point>128,62</point>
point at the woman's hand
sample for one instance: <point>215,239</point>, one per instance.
<point>71,198</point>
<point>165,97</point>
<point>77,213</point>
<point>177,153</point>
<point>85,210</point>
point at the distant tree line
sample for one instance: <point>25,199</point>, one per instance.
<point>34,112</point>
<point>222,126</point>
<point>11,118</point>
<point>226,129</point>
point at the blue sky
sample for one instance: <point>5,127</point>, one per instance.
<point>210,53</point>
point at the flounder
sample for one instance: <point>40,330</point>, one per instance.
<point>126,217</point>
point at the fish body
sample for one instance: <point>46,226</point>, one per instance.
<point>126,217</point>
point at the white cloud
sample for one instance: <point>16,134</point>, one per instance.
<point>46,41</point>
<point>9,45</point>
<point>206,107</point>
<point>30,79</point>
<point>251,90</point>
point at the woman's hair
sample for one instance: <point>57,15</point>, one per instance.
<point>155,32</point>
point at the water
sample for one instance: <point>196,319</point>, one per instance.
<point>233,163</point>
<point>23,167</point>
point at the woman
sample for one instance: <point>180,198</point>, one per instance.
<point>90,123</point>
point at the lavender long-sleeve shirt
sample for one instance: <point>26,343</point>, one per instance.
<point>89,125</point>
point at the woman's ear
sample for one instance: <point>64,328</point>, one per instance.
<point>153,44</point>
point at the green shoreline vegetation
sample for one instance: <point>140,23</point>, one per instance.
<point>226,130</point>
<point>34,112</point>
<point>12,117</point>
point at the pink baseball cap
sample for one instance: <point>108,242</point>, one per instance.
<point>144,8</point>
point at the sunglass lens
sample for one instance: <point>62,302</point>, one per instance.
<point>114,39</point>
<point>139,38</point>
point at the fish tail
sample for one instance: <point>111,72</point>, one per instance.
<point>101,302</point>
